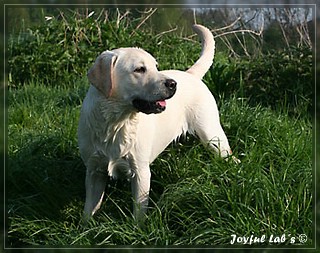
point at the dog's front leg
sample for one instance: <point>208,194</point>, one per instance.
<point>95,186</point>
<point>140,190</point>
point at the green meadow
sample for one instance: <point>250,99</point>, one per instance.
<point>197,200</point>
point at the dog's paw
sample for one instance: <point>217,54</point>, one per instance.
<point>235,159</point>
<point>228,156</point>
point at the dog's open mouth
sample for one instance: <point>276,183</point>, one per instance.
<point>159,105</point>
<point>149,106</point>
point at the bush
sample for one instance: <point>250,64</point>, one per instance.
<point>59,50</point>
<point>279,77</point>
<point>63,48</point>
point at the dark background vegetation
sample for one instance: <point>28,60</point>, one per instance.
<point>64,47</point>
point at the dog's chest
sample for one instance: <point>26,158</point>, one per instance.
<point>118,142</point>
<point>119,138</point>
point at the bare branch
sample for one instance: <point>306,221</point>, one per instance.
<point>219,29</point>
<point>239,31</point>
<point>165,32</point>
<point>151,12</point>
<point>120,17</point>
<point>228,26</point>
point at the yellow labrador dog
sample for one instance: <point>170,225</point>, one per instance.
<point>132,112</point>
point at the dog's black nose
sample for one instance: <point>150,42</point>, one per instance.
<point>171,84</point>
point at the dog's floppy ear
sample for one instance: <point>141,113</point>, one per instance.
<point>101,73</point>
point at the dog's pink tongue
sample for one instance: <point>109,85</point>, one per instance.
<point>162,103</point>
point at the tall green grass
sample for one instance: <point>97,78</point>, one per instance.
<point>196,199</point>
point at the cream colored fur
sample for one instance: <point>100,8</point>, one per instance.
<point>118,140</point>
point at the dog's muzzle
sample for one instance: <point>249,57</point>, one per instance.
<point>156,106</point>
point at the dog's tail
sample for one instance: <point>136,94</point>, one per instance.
<point>203,64</point>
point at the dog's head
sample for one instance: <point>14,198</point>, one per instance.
<point>131,75</point>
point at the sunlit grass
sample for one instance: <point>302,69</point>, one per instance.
<point>196,199</point>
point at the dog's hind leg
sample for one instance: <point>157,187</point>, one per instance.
<point>215,139</point>
<point>211,134</point>
<point>206,125</point>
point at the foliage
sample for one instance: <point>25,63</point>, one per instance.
<point>58,51</point>
<point>196,199</point>
<point>62,49</point>
<point>279,77</point>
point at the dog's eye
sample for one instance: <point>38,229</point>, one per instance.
<point>140,70</point>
